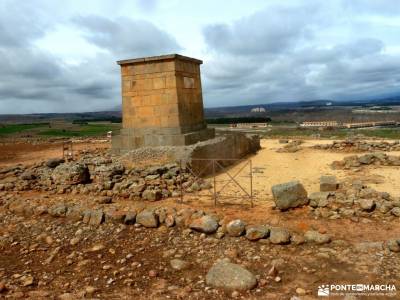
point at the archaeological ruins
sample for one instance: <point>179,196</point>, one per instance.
<point>83,219</point>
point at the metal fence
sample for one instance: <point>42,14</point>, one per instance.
<point>216,175</point>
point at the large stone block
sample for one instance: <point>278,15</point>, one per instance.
<point>289,195</point>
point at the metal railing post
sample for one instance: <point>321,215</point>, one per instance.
<point>251,183</point>
<point>215,183</point>
<point>180,180</point>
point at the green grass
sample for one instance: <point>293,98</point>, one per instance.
<point>16,128</point>
<point>389,133</point>
<point>83,130</point>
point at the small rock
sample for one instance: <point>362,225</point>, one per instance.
<point>279,236</point>
<point>316,237</point>
<point>395,211</point>
<point>54,162</point>
<point>205,224</point>
<point>74,241</point>
<point>393,245</point>
<point>178,264</point>
<point>367,204</point>
<point>300,291</point>
<point>147,218</point>
<point>130,218</point>
<point>230,277</point>
<point>90,290</point>
<point>104,200</point>
<point>153,273</point>
<point>27,280</point>
<point>254,233</point>
<point>328,183</point>
<point>235,227</point>
<point>3,287</point>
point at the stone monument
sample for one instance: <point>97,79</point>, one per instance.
<point>162,103</point>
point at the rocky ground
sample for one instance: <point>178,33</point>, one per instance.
<point>84,229</point>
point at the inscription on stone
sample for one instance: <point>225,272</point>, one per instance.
<point>188,82</point>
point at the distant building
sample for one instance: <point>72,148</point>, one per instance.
<point>369,124</point>
<point>258,109</point>
<point>320,124</point>
<point>250,125</point>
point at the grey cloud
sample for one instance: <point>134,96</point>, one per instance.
<point>147,5</point>
<point>373,7</point>
<point>33,80</point>
<point>126,38</point>
<point>283,54</point>
<point>273,30</point>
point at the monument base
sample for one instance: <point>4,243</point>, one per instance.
<point>226,148</point>
<point>129,140</point>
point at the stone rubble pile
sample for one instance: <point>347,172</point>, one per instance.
<point>354,145</point>
<point>104,176</point>
<point>334,201</point>
<point>376,159</point>
<point>290,147</point>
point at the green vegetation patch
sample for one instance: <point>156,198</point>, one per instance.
<point>16,128</point>
<point>82,130</point>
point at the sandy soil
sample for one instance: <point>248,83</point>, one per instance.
<point>307,166</point>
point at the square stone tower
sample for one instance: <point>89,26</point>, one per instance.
<point>162,103</point>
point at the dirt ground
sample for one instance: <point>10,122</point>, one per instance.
<point>76,271</point>
<point>30,153</point>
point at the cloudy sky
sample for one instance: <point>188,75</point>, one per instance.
<point>59,56</point>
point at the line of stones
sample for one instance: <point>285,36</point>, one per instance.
<point>185,218</point>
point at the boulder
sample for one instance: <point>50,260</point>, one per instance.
<point>328,183</point>
<point>235,227</point>
<point>255,233</point>
<point>230,277</point>
<point>205,224</point>
<point>147,218</point>
<point>71,173</point>
<point>279,236</point>
<point>289,195</point>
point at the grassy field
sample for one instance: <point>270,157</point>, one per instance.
<point>389,133</point>
<point>60,129</point>
<point>82,130</point>
<point>16,128</point>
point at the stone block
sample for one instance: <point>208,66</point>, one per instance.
<point>328,183</point>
